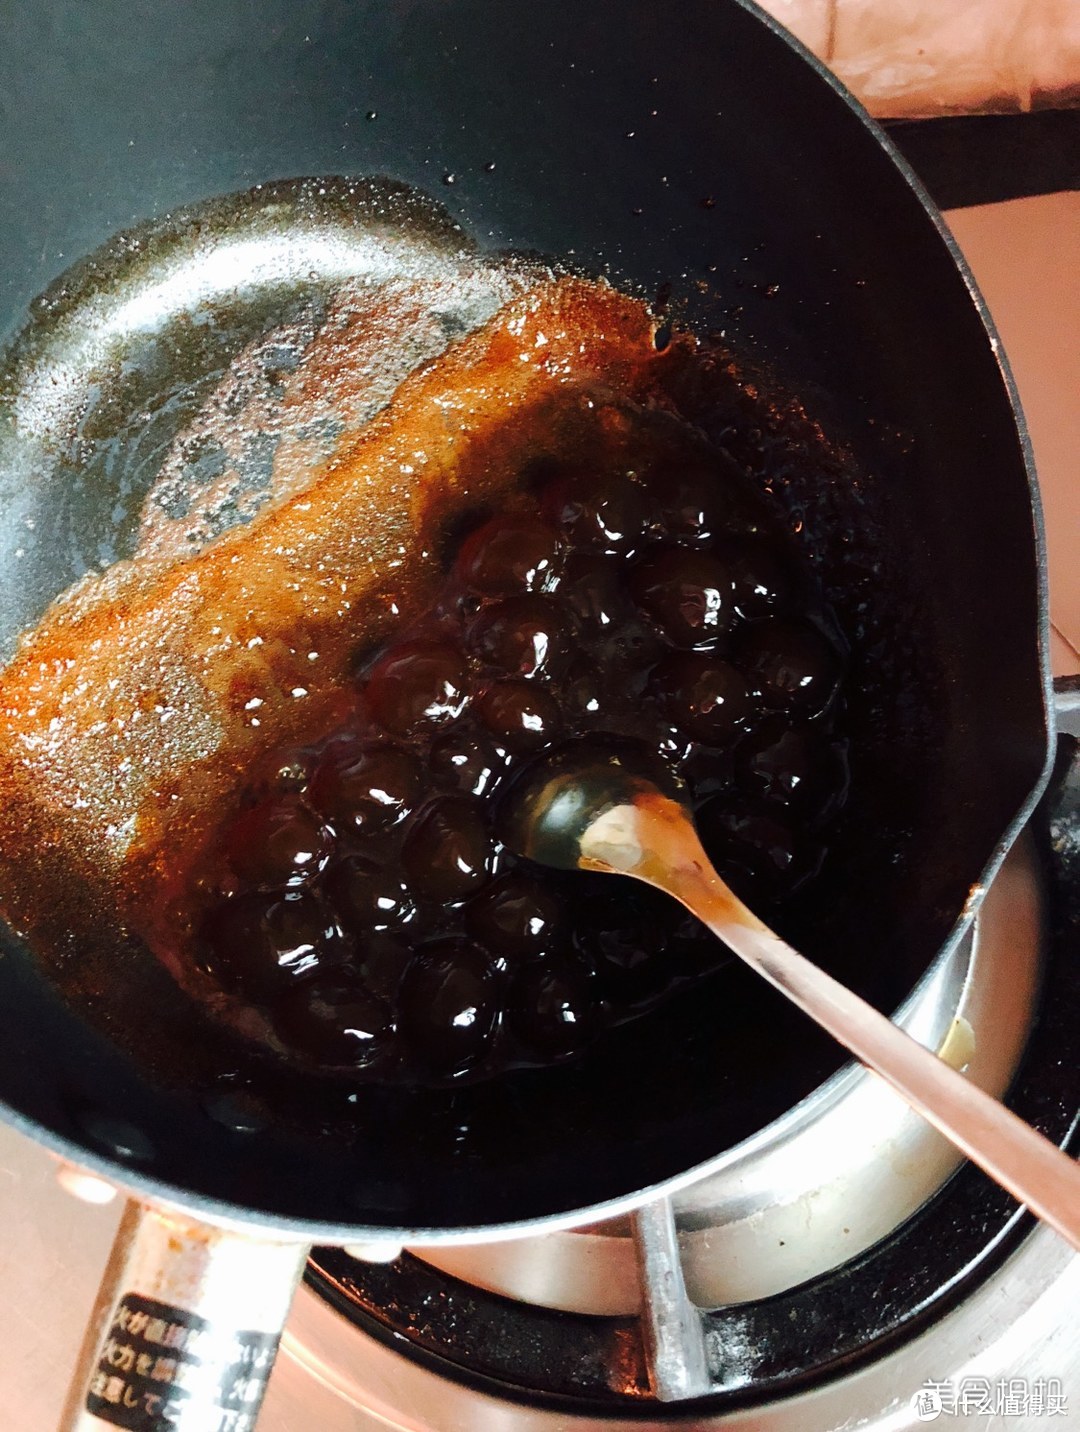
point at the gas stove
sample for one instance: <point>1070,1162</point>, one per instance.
<point>837,1271</point>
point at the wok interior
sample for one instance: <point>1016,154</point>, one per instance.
<point>782,222</point>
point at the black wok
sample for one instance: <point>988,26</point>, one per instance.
<point>694,152</point>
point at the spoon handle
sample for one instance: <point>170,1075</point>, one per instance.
<point>663,849</point>
<point>1033,1169</point>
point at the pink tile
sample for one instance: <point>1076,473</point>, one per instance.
<point>924,57</point>
<point>1025,255</point>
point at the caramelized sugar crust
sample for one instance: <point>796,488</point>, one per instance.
<point>139,705</point>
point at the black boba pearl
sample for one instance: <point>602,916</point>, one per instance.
<point>760,839</point>
<point>757,848</point>
<point>509,555</point>
<point>514,916</point>
<point>263,943</point>
<point>277,842</point>
<point>232,942</point>
<point>522,636</point>
<point>693,498</point>
<point>624,958</point>
<point>583,689</point>
<point>761,580</point>
<point>705,696</point>
<point>449,1005</point>
<point>551,1007</point>
<point>792,766</point>
<point>592,587</point>
<point>521,715</point>
<point>707,772</point>
<point>624,656</point>
<point>467,760</point>
<point>688,593</point>
<point>365,787</point>
<point>446,852</point>
<point>380,961</point>
<point>417,683</point>
<point>600,510</point>
<point>705,496</point>
<point>620,936</point>
<point>792,665</point>
<point>334,1023</point>
<point>367,897</point>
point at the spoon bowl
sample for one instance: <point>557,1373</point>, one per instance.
<point>550,808</point>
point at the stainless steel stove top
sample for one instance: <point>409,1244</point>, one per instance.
<point>1007,1355</point>
<point>1021,1323</point>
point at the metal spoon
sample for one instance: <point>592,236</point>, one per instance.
<point>588,807</point>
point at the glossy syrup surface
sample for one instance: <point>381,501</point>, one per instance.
<point>358,895</point>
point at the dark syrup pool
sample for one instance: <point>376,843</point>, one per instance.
<point>360,897</point>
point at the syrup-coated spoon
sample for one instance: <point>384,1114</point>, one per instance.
<point>588,807</point>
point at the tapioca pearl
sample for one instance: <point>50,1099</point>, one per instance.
<point>277,841</point>
<point>705,696</point>
<point>593,588</point>
<point>793,666</point>
<point>791,766</point>
<point>694,497</point>
<point>454,530</point>
<point>521,715</point>
<point>514,917</point>
<point>582,691</point>
<point>417,683</point>
<point>263,943</point>
<point>621,939</point>
<point>380,960</point>
<point>707,771</point>
<point>625,655</point>
<point>608,512</point>
<point>552,1007</point>
<point>367,897</point>
<point>687,592</point>
<point>703,497</point>
<point>449,1004</point>
<point>692,949</point>
<point>335,1023</point>
<point>509,555</point>
<point>758,842</point>
<point>761,578</point>
<point>466,759</point>
<point>607,693</point>
<point>523,636</point>
<point>304,935</point>
<point>623,958</point>
<point>365,787</point>
<point>672,745</point>
<point>447,851</point>
<point>292,772</point>
<point>231,937</point>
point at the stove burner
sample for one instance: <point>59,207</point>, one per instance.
<point>769,1347</point>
